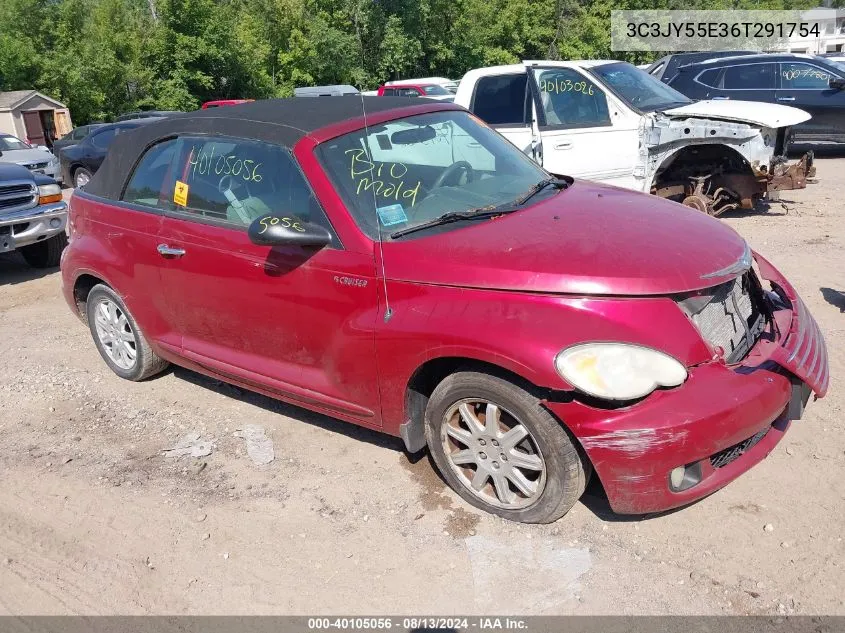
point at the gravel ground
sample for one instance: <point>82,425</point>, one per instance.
<point>95,519</point>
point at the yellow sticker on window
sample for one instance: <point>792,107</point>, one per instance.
<point>180,194</point>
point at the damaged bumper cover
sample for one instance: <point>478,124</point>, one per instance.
<point>722,421</point>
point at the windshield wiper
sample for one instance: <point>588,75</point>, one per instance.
<point>560,183</point>
<point>455,216</point>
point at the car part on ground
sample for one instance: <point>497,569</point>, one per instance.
<point>611,122</point>
<point>425,295</point>
<point>32,216</point>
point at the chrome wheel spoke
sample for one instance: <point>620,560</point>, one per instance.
<point>479,479</point>
<point>462,458</point>
<point>126,337</point>
<point>471,420</point>
<point>518,459</point>
<point>522,483</point>
<point>513,437</point>
<point>464,437</point>
<point>503,491</point>
<point>491,419</point>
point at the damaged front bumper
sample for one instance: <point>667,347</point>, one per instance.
<point>722,421</point>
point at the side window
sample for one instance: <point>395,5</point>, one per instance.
<point>709,77</point>
<point>103,139</point>
<point>408,92</point>
<point>803,77</point>
<point>235,181</point>
<point>502,100</point>
<point>389,92</point>
<point>151,182</point>
<point>750,77</point>
<point>571,100</point>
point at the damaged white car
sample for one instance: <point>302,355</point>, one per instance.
<point>611,122</point>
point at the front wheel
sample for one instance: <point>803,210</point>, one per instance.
<point>501,451</point>
<point>45,254</point>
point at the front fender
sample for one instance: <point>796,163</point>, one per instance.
<point>519,332</point>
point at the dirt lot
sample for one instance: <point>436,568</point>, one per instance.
<point>94,519</point>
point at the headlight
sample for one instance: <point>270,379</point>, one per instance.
<point>618,371</point>
<point>49,193</point>
<point>54,161</point>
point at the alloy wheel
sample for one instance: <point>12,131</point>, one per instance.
<point>493,454</point>
<point>115,334</point>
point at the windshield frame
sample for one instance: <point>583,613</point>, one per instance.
<point>359,213</point>
<point>593,72</point>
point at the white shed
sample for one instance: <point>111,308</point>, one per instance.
<point>33,117</point>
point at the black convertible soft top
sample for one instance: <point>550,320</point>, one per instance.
<point>279,121</point>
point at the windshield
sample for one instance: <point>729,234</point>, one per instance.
<point>637,88</point>
<point>409,171</point>
<point>435,90</point>
<point>9,143</point>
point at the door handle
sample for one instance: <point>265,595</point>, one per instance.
<point>786,98</point>
<point>165,251</point>
<point>564,145</point>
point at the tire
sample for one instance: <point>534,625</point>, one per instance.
<point>45,254</point>
<point>141,364</point>
<point>81,173</point>
<point>548,492</point>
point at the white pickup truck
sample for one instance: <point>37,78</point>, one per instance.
<point>611,122</point>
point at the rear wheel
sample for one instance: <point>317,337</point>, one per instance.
<point>501,450</point>
<point>118,338</point>
<point>45,254</point>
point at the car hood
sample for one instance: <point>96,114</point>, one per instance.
<point>764,114</point>
<point>588,239</point>
<point>26,156</point>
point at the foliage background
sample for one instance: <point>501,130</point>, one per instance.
<point>106,57</point>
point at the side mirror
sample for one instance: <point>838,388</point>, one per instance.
<point>287,230</point>
<point>836,83</point>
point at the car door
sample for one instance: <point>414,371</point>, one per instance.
<point>747,82</point>
<point>806,86</point>
<point>296,321</point>
<point>503,101</point>
<point>583,132</point>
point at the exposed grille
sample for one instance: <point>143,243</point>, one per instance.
<point>730,319</point>
<point>17,195</point>
<point>732,453</point>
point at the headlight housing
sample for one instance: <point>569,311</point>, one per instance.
<point>618,371</point>
<point>49,193</point>
<point>54,161</point>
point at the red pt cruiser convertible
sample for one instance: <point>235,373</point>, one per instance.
<point>405,268</point>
